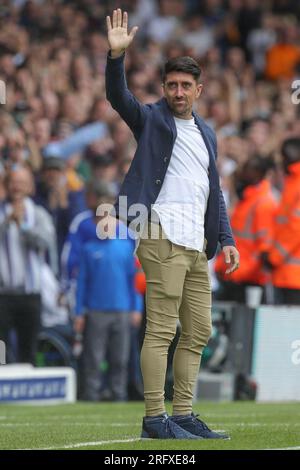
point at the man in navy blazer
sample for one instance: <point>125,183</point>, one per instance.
<point>173,170</point>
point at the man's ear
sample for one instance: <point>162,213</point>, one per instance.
<point>199,90</point>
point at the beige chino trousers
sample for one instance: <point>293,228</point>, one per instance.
<point>178,287</point>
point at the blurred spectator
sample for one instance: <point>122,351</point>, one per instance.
<point>82,228</point>
<point>106,303</point>
<point>2,183</point>
<point>248,19</point>
<point>162,27</point>
<point>15,151</point>
<point>252,226</point>
<point>74,179</point>
<point>259,136</point>
<point>26,235</point>
<point>260,40</point>
<point>283,56</point>
<point>52,193</point>
<point>284,254</point>
<point>104,168</point>
<point>197,37</point>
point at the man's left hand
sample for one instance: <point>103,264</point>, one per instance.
<point>232,258</point>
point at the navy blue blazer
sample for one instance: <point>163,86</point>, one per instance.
<point>154,129</point>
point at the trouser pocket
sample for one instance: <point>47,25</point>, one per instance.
<point>164,249</point>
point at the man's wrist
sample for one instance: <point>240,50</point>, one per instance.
<point>116,53</point>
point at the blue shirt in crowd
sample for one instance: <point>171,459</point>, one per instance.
<point>82,230</point>
<point>106,277</point>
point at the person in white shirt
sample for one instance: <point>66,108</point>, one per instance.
<point>27,239</point>
<point>173,171</point>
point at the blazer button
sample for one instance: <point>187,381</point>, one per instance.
<point>158,182</point>
<point>166,159</point>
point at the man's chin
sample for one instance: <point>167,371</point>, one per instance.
<point>181,112</point>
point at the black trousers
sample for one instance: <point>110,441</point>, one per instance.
<point>21,312</point>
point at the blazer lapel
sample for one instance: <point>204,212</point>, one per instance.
<point>168,116</point>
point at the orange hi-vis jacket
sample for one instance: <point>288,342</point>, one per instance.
<point>281,60</point>
<point>252,226</point>
<point>285,251</point>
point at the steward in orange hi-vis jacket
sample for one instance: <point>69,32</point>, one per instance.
<point>284,255</point>
<point>252,224</point>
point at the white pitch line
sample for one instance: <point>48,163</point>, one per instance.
<point>119,441</point>
<point>228,424</point>
<point>286,448</point>
<point>86,444</point>
<point>119,425</point>
<point>113,425</point>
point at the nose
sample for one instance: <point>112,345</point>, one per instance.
<point>179,91</point>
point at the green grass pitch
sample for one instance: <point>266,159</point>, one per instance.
<point>117,426</point>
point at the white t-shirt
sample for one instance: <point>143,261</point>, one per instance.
<point>182,201</point>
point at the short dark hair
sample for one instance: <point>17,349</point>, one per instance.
<point>100,188</point>
<point>53,163</point>
<point>184,64</point>
<point>259,164</point>
<point>291,150</point>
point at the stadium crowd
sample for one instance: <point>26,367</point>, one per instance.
<point>63,149</point>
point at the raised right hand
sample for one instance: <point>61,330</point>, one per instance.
<point>118,37</point>
<point>18,212</point>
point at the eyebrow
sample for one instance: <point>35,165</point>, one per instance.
<point>173,82</point>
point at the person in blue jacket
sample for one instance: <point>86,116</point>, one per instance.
<point>83,230</point>
<point>172,198</point>
<point>107,304</point>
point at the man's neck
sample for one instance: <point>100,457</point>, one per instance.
<point>185,117</point>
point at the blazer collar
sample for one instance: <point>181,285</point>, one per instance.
<point>169,118</point>
<point>199,122</point>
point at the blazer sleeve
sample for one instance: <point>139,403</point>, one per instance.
<point>225,232</point>
<point>122,100</point>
